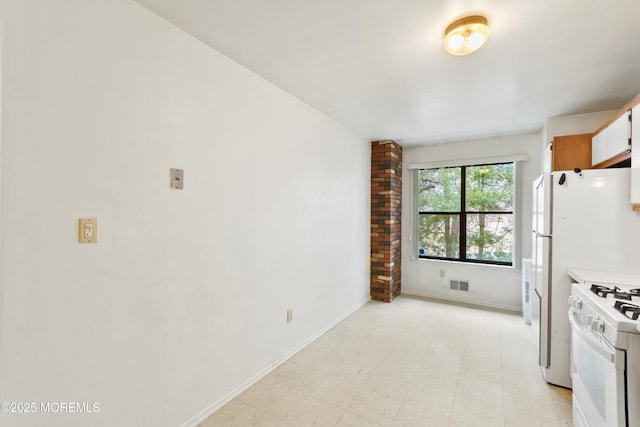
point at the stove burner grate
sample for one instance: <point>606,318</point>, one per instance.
<point>615,292</point>
<point>632,311</point>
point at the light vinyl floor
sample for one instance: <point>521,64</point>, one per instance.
<point>413,362</point>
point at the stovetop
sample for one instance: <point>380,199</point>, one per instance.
<point>618,305</point>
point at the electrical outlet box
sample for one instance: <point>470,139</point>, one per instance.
<point>290,315</point>
<point>88,230</point>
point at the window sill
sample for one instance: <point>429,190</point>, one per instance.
<point>438,262</point>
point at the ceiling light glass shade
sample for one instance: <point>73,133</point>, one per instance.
<point>466,35</point>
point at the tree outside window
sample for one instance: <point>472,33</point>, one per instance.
<point>466,213</point>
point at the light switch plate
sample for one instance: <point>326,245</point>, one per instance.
<point>88,230</point>
<point>177,179</point>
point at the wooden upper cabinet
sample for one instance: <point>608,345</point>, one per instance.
<point>571,151</point>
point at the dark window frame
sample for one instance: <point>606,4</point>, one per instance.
<point>463,212</point>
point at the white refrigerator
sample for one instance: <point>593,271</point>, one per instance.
<point>581,219</point>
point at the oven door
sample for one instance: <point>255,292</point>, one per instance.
<point>598,375</point>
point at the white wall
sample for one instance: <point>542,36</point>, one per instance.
<point>576,124</point>
<point>493,286</point>
<point>183,299</point>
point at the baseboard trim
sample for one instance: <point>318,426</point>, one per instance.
<point>206,412</point>
<point>469,302</point>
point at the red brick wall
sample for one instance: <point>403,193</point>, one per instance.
<point>386,198</point>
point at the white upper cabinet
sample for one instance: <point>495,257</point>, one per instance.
<point>635,157</point>
<point>612,140</point>
<point>635,137</point>
<point>599,147</point>
<point>619,135</point>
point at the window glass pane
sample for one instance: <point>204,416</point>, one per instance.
<point>489,188</point>
<point>439,236</point>
<point>490,237</point>
<point>439,190</point>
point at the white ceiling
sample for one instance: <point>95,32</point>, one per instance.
<point>378,66</point>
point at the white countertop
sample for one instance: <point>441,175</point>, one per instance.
<point>584,276</point>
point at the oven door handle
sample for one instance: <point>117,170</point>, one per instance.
<point>605,350</point>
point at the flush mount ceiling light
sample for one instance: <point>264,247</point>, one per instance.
<point>466,35</point>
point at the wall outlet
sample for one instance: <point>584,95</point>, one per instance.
<point>289,315</point>
<point>441,273</point>
<point>177,179</point>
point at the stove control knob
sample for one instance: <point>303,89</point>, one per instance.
<point>597,325</point>
<point>575,302</point>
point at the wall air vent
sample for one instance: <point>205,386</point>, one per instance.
<point>459,285</point>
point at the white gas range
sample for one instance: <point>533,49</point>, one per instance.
<point>604,309</point>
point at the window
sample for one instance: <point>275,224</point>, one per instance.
<point>465,213</point>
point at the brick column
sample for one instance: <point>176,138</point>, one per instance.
<point>386,198</point>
